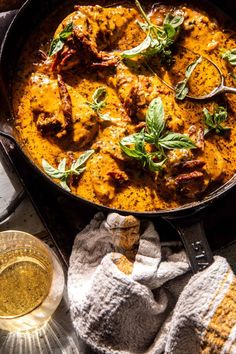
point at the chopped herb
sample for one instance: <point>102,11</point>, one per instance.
<point>135,146</point>
<point>159,38</point>
<point>99,102</point>
<point>230,55</point>
<point>62,173</point>
<point>214,121</point>
<point>181,89</point>
<point>58,43</point>
<point>233,75</point>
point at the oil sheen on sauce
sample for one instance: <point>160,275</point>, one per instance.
<point>139,191</point>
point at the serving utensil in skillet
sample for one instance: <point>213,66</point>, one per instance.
<point>207,80</point>
<point>187,219</point>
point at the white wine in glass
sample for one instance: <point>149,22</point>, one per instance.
<point>31,281</point>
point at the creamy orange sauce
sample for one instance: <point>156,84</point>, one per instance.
<point>136,189</point>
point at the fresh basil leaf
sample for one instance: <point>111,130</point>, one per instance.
<point>58,43</point>
<point>214,121</point>
<point>174,20</point>
<point>64,185</point>
<point>176,141</point>
<point>131,152</point>
<point>208,118</point>
<point>153,135</point>
<point>137,50</point>
<point>99,95</point>
<point>230,55</point>
<point>51,171</point>
<point>67,31</point>
<point>128,140</point>
<point>98,102</point>
<point>139,142</point>
<point>158,39</point>
<point>221,115</point>
<point>62,165</point>
<point>191,67</point>
<point>155,166</point>
<point>171,33</point>
<point>181,89</point>
<point>81,160</point>
<point>62,174</point>
<point>149,138</point>
<point>155,117</point>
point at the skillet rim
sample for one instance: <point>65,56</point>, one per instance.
<point>181,211</point>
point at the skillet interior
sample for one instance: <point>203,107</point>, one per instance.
<point>26,20</point>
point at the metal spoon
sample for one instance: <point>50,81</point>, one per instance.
<point>221,88</point>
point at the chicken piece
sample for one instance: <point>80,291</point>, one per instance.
<point>214,162</point>
<point>137,87</point>
<point>190,173</point>
<point>85,121</point>
<point>197,135</point>
<point>95,31</point>
<point>103,185</point>
<point>47,109</point>
<point>62,111</point>
<point>134,90</point>
<point>110,142</point>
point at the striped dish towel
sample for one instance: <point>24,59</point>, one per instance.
<point>130,294</point>
<point>204,319</point>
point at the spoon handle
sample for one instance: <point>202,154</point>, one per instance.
<point>226,89</point>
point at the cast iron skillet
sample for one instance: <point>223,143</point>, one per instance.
<point>187,219</point>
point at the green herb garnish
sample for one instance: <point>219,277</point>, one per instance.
<point>158,39</point>
<point>181,89</point>
<point>214,121</point>
<point>62,173</point>
<point>230,55</point>
<point>138,152</point>
<point>58,43</point>
<point>233,75</point>
<point>135,146</point>
<point>99,102</point>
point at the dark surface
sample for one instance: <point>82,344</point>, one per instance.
<point>64,216</point>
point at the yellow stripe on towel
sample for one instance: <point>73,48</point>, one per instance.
<point>222,322</point>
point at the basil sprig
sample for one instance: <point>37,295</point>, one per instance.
<point>62,173</point>
<point>181,89</point>
<point>99,102</point>
<point>136,145</point>
<point>139,152</point>
<point>58,43</point>
<point>230,55</point>
<point>159,38</point>
<point>214,121</point>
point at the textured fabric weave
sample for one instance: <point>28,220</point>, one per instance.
<point>129,295</point>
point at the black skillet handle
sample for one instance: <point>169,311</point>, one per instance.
<point>195,242</point>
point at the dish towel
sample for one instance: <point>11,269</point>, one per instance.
<point>130,294</point>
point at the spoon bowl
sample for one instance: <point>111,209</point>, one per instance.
<point>205,82</point>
